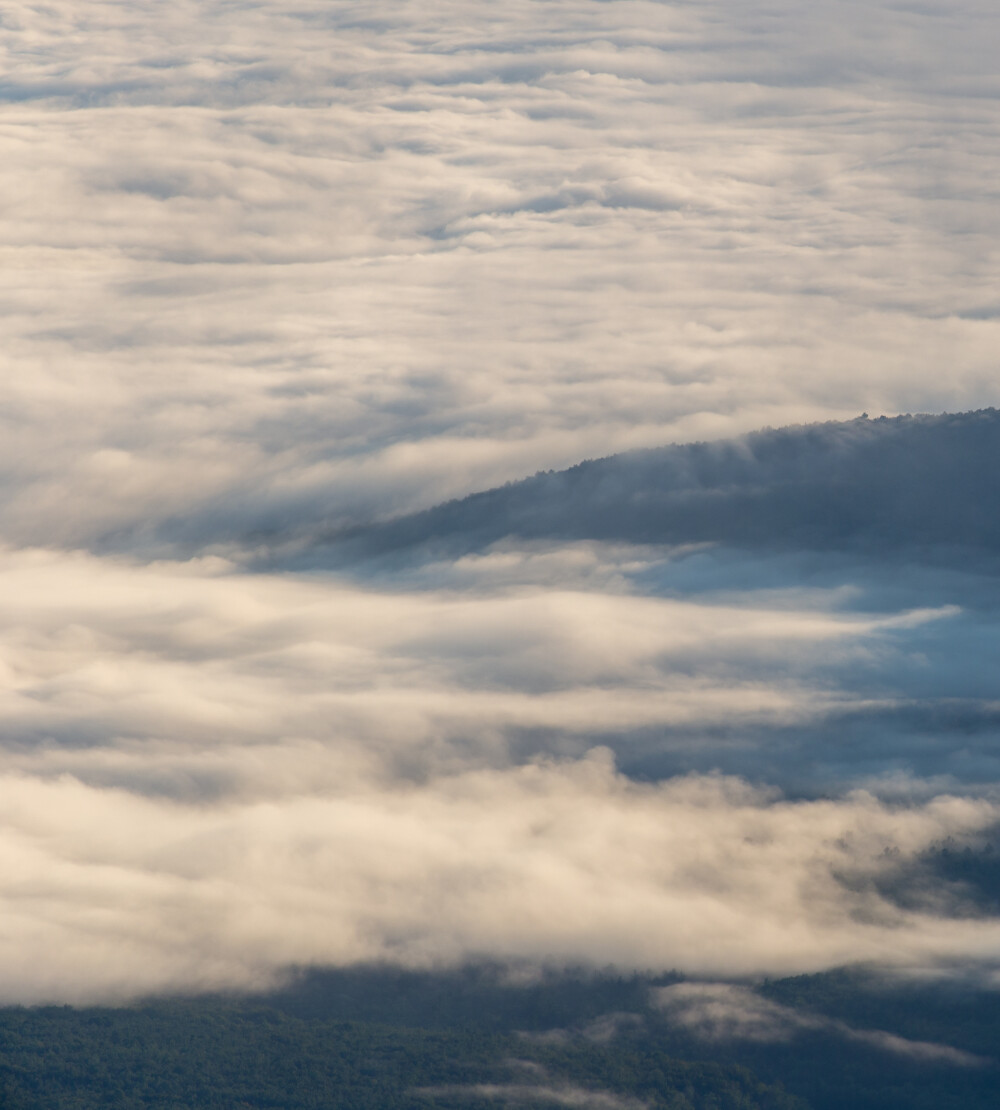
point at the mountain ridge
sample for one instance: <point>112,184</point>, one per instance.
<point>878,484</point>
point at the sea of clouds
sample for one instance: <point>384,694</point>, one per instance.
<point>273,272</point>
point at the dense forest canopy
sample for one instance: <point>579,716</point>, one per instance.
<point>379,1039</point>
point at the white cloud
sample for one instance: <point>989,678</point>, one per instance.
<point>209,777</point>
<point>109,893</point>
<point>264,265</point>
<point>148,670</point>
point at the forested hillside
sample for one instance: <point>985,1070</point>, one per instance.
<point>473,1039</point>
<point>892,484</point>
<point>219,1056</point>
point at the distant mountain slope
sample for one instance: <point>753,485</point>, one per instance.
<point>212,1054</point>
<point>889,483</point>
<point>383,1038</point>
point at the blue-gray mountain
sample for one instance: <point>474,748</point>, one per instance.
<point>924,483</point>
<point>867,485</point>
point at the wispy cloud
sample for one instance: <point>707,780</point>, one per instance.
<point>222,775</point>
<point>548,1094</point>
<point>725,1012</point>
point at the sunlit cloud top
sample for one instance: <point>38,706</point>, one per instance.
<point>265,260</point>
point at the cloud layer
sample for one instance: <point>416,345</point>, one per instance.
<point>264,263</point>
<point>109,892</point>
<point>210,777</point>
<point>274,276</point>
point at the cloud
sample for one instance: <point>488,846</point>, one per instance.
<point>516,1094</point>
<point>601,1030</point>
<point>605,1028</point>
<point>725,1012</point>
<point>110,892</point>
<point>272,276</point>
<point>211,777</point>
<point>536,1085</point>
<point>123,673</point>
<point>267,266</point>
<point>107,893</point>
<point>722,1011</point>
